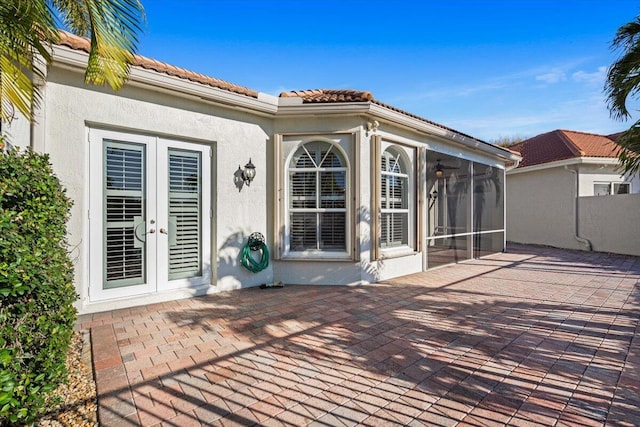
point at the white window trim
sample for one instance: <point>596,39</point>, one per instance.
<point>410,174</point>
<point>317,254</point>
<point>611,185</point>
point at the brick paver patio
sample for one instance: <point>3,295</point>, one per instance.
<point>535,336</point>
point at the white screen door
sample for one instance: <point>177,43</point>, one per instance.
<point>150,214</point>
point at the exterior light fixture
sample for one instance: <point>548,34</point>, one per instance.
<point>248,173</point>
<point>439,170</point>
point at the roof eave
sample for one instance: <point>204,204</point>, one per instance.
<point>607,161</point>
<point>422,126</point>
<point>285,109</point>
<point>263,104</point>
<point>289,109</point>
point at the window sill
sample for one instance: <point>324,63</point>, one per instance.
<point>401,251</point>
<point>316,256</point>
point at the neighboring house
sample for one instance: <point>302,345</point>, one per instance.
<point>348,190</point>
<point>556,167</point>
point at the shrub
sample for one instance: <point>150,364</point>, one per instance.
<point>36,289</point>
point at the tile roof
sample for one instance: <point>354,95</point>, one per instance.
<point>79,43</point>
<point>564,144</point>
<point>329,96</point>
<point>308,96</point>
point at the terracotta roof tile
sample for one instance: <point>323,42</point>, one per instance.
<point>564,144</point>
<point>350,95</point>
<point>82,44</point>
<point>593,145</point>
<point>308,96</point>
<point>329,95</point>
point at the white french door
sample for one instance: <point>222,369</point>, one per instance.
<point>150,214</point>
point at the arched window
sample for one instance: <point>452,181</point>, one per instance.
<point>394,200</point>
<point>317,198</point>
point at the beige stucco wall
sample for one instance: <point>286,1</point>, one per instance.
<point>71,108</point>
<point>540,208</point>
<point>611,223</point>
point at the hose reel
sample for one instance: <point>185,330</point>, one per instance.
<point>256,242</point>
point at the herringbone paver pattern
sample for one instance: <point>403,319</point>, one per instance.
<point>536,336</point>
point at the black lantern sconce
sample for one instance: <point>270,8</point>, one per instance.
<point>248,173</point>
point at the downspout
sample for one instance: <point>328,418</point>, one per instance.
<point>577,236</point>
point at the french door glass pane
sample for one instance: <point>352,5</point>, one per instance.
<point>185,220</point>
<point>124,205</point>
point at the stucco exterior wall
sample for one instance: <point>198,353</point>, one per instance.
<point>540,208</point>
<point>71,111</point>
<point>611,223</point>
<point>17,131</point>
<point>591,174</point>
<point>235,136</point>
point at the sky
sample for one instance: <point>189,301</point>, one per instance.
<point>490,69</point>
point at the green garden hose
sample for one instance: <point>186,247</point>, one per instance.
<point>256,243</point>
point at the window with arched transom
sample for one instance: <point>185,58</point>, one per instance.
<point>317,198</point>
<point>394,199</point>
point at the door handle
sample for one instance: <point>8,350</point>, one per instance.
<point>163,231</point>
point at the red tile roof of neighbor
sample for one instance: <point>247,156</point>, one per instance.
<point>564,144</point>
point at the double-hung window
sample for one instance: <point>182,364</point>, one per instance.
<point>394,200</point>
<point>317,199</point>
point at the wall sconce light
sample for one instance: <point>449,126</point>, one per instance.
<point>248,173</point>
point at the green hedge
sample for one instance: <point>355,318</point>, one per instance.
<point>36,285</point>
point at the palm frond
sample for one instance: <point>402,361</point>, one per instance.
<point>26,29</point>
<point>16,89</point>
<point>113,27</point>
<point>74,16</point>
<point>628,150</point>
<point>623,77</point>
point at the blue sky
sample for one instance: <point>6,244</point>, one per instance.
<point>490,69</point>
